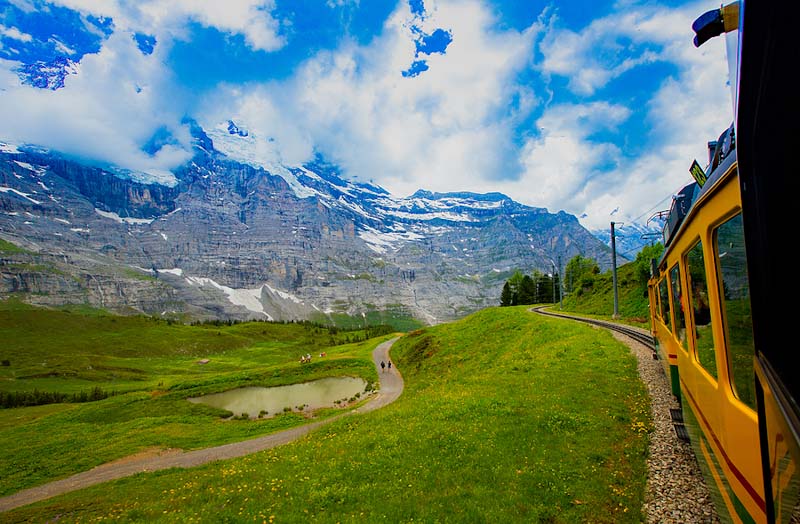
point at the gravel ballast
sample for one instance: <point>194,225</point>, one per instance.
<point>676,490</point>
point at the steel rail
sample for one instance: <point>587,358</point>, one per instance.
<point>636,334</point>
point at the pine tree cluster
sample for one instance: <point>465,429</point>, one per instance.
<point>538,288</point>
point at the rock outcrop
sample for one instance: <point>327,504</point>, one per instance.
<point>230,240</point>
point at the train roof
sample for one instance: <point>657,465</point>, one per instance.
<point>681,204</point>
<point>721,158</point>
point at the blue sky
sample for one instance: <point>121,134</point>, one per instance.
<point>594,108</point>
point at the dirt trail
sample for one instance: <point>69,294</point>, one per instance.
<point>391,386</point>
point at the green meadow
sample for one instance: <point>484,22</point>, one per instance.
<point>506,416</point>
<point>145,368</point>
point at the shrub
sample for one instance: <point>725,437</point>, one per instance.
<point>15,399</point>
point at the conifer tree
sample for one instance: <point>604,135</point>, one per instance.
<point>527,291</point>
<point>506,296</point>
<point>514,283</point>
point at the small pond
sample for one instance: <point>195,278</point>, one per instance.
<point>256,401</point>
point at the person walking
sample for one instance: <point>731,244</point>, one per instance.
<point>389,365</point>
<point>383,366</point>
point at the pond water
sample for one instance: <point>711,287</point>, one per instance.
<point>312,395</point>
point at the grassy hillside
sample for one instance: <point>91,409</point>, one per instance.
<point>507,416</point>
<point>68,350</point>
<point>598,300</point>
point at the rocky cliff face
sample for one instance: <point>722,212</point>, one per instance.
<point>232,240</point>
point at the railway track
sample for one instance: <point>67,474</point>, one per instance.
<point>636,334</point>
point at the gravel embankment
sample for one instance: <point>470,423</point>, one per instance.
<point>676,491</point>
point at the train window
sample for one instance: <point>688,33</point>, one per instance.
<point>680,321</point>
<point>701,312</point>
<point>729,238</point>
<point>664,302</point>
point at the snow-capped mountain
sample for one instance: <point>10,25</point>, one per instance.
<point>48,41</point>
<point>48,75</point>
<point>235,234</point>
<point>630,238</point>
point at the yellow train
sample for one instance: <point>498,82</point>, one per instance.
<point>719,296</point>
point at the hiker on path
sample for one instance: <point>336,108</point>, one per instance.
<point>390,365</point>
<point>383,365</point>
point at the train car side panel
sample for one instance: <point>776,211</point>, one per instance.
<point>722,428</point>
<point>670,344</point>
<point>783,467</point>
<point>768,134</point>
<point>661,329</point>
<point>725,240</point>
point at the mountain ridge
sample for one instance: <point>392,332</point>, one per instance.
<point>230,240</point>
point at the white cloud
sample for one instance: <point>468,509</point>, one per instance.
<point>447,128</point>
<point>24,5</point>
<point>567,168</point>
<point>341,3</point>
<point>16,34</point>
<point>120,97</point>
<point>610,46</point>
<point>99,114</point>
<point>250,18</point>
<point>564,157</point>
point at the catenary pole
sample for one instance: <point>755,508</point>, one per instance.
<point>560,286</point>
<point>614,270</point>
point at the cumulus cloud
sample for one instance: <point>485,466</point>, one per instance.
<point>572,169</point>
<point>120,96</point>
<point>610,46</point>
<point>341,3</point>
<point>564,159</point>
<point>105,112</point>
<point>251,18</point>
<point>16,34</point>
<point>450,127</point>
